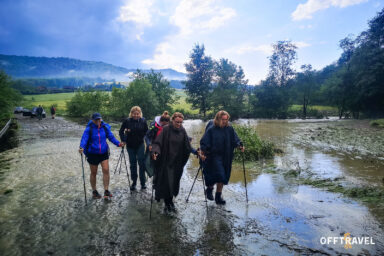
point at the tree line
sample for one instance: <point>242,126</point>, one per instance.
<point>149,90</point>
<point>354,84</point>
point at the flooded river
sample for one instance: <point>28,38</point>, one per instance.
<point>42,209</point>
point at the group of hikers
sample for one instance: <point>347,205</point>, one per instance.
<point>168,145</point>
<point>40,110</point>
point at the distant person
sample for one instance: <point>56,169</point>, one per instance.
<point>171,150</point>
<point>53,112</point>
<point>132,131</point>
<point>94,145</point>
<point>39,112</point>
<point>217,145</point>
<point>154,130</point>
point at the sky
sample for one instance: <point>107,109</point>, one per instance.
<point>162,33</point>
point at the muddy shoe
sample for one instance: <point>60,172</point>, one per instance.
<point>133,187</point>
<point>209,192</point>
<point>96,195</point>
<point>219,199</point>
<point>107,194</point>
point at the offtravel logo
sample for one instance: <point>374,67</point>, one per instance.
<point>347,240</point>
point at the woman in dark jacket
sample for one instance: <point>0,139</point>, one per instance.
<point>132,131</point>
<point>217,145</point>
<point>94,145</point>
<point>171,150</point>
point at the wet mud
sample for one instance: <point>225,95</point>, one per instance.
<point>43,212</point>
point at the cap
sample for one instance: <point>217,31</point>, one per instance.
<point>96,116</point>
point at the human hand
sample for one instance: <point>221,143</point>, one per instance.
<point>150,147</point>
<point>242,148</point>
<point>81,150</point>
<point>122,144</point>
<point>154,156</point>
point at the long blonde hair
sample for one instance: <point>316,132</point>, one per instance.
<point>220,115</point>
<point>134,109</point>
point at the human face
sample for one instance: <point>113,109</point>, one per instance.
<point>224,121</point>
<point>177,122</point>
<point>97,122</point>
<point>136,115</point>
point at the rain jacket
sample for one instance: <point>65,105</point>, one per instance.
<point>98,141</point>
<point>135,137</point>
<point>218,145</point>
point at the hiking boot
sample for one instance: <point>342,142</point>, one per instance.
<point>96,195</point>
<point>219,199</point>
<point>107,194</point>
<point>173,207</point>
<point>133,187</point>
<point>209,193</point>
<point>143,187</point>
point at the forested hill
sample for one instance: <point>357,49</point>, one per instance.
<point>44,67</point>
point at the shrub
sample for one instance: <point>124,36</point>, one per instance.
<point>255,148</point>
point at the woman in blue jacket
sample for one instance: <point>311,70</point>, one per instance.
<point>94,145</point>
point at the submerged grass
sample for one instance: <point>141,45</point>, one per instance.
<point>369,194</point>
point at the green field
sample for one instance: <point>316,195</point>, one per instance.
<point>319,108</point>
<point>60,99</point>
<point>47,100</point>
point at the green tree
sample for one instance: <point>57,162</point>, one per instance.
<point>305,87</point>
<point>165,94</point>
<point>83,104</point>
<point>280,63</point>
<point>230,88</point>
<point>140,93</point>
<point>9,97</point>
<point>200,73</point>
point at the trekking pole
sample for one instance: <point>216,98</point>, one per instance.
<point>150,211</point>
<point>193,183</point>
<point>205,192</point>
<point>126,167</point>
<point>245,178</point>
<point>119,161</point>
<point>85,193</point>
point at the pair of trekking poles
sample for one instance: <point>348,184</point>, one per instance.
<point>119,162</point>
<point>202,174</point>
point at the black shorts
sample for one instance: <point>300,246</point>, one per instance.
<point>96,159</point>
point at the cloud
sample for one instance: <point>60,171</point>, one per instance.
<point>305,11</point>
<point>266,49</point>
<point>192,18</point>
<point>193,15</point>
<point>166,56</point>
<point>137,11</point>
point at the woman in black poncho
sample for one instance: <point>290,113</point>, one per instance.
<point>217,145</point>
<point>170,150</point>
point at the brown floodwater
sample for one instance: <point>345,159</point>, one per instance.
<point>42,209</point>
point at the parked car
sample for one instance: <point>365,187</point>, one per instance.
<point>34,112</point>
<point>26,112</point>
<point>18,110</point>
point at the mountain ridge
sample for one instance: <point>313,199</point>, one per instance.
<point>63,67</point>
